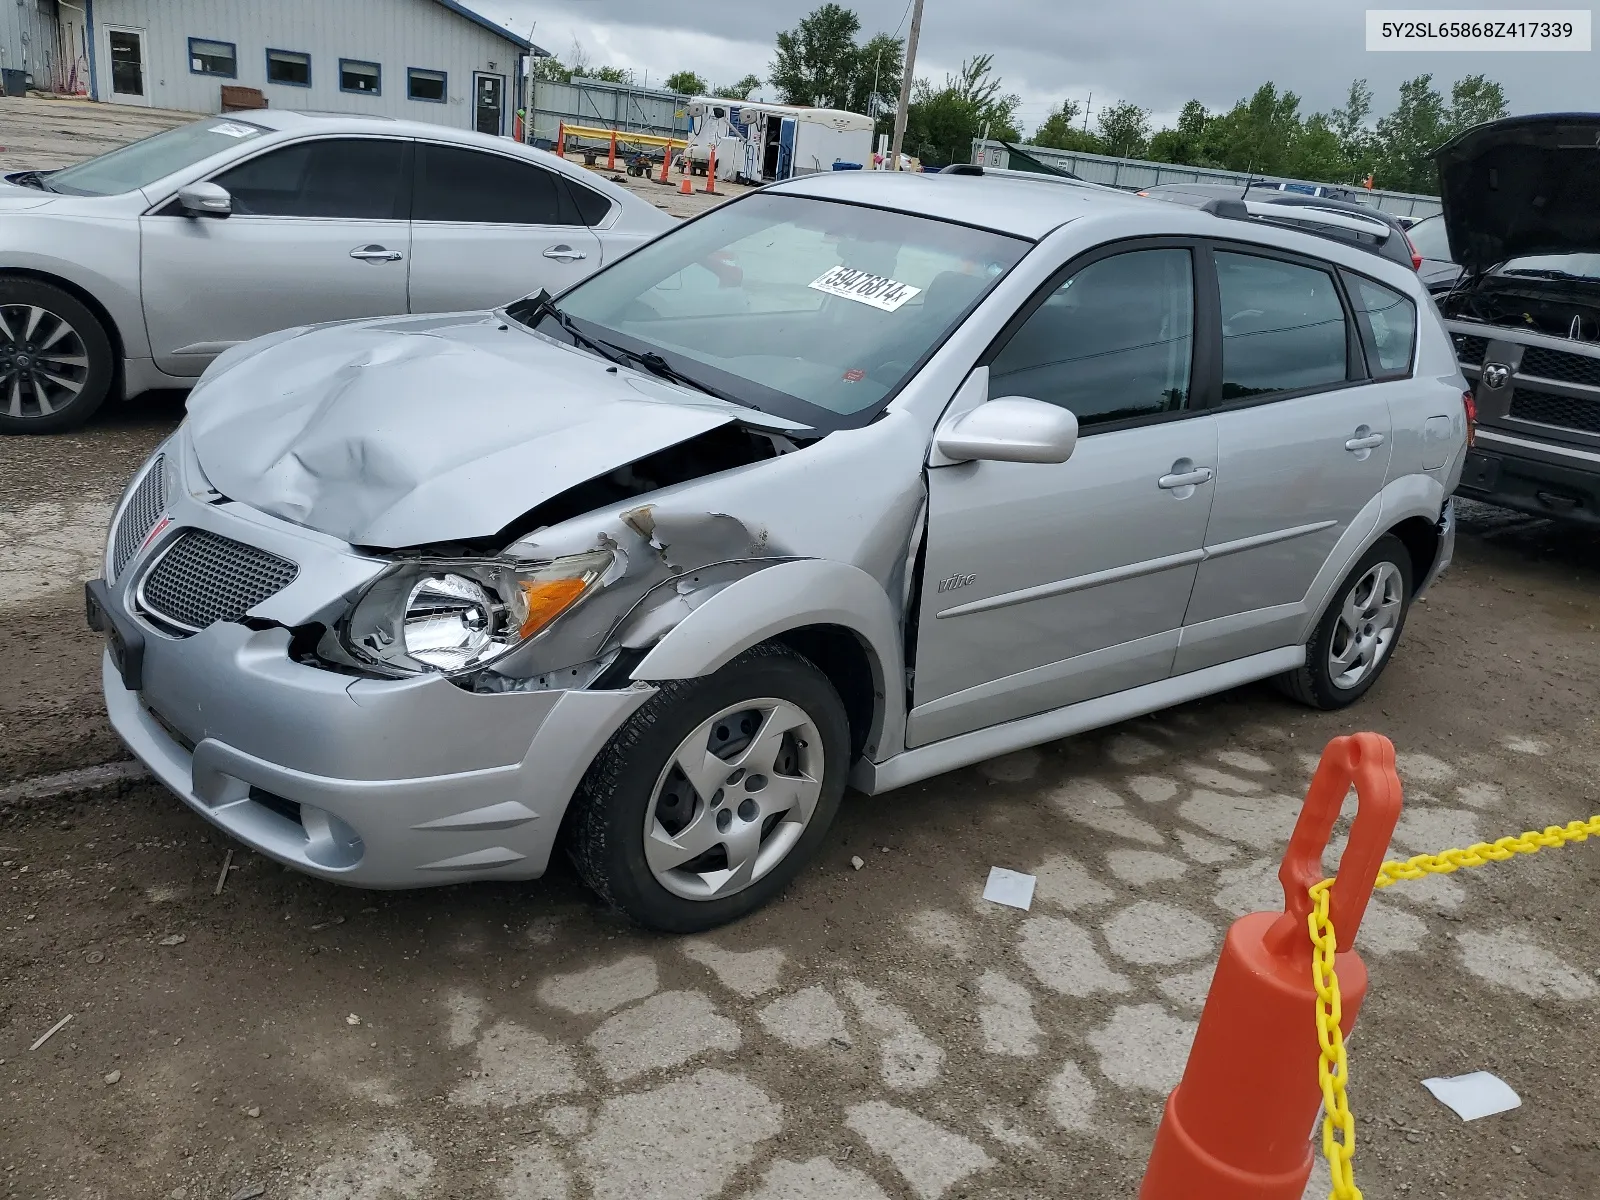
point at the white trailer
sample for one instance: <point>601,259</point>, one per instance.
<point>759,143</point>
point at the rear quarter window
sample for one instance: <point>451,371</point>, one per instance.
<point>1391,326</point>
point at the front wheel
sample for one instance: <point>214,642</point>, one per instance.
<point>713,796</point>
<point>1359,630</point>
<point>56,361</point>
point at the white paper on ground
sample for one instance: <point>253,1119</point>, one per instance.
<point>1009,887</point>
<point>1479,1094</point>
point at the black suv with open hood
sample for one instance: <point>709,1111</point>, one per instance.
<point>1522,209</point>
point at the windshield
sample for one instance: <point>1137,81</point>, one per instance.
<point>141,163</point>
<point>1429,237</point>
<point>812,310</point>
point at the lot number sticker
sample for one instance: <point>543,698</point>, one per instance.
<point>865,288</point>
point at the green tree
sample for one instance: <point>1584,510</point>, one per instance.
<point>1316,153</point>
<point>740,90</point>
<point>1061,130</point>
<point>942,123</point>
<point>686,83</point>
<point>1409,135</point>
<point>817,60</point>
<point>1474,100</point>
<point>1256,134</point>
<point>1185,141</point>
<point>1125,129</point>
<point>550,69</point>
<point>1350,125</point>
<point>882,61</point>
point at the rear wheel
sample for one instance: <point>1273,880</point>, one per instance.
<point>1359,630</point>
<point>56,362</point>
<point>714,794</point>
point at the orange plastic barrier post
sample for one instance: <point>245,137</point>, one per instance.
<point>1239,1124</point>
<point>666,161</point>
<point>711,173</point>
<point>611,157</point>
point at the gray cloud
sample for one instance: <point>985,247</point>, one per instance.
<point>1157,53</point>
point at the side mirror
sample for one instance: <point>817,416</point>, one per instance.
<point>1011,429</point>
<point>205,200</point>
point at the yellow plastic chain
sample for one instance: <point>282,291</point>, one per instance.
<point>1333,1069</point>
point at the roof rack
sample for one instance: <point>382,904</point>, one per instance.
<point>1304,217</point>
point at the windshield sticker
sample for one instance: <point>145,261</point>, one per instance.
<point>231,129</point>
<point>864,288</point>
<point>854,375</point>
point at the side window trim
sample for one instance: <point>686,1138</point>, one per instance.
<point>1369,339</point>
<point>1205,354</point>
<point>1356,374</point>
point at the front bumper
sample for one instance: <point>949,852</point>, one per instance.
<point>369,825</point>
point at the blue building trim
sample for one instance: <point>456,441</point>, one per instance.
<point>233,74</point>
<point>267,60</point>
<point>89,36</point>
<point>479,19</point>
<point>444,75</point>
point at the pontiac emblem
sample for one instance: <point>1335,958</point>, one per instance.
<point>1496,374</point>
<point>951,583</point>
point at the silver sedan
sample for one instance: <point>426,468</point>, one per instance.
<point>135,269</point>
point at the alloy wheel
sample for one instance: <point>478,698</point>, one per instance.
<point>44,362</point>
<point>1368,621</point>
<point>734,799</point>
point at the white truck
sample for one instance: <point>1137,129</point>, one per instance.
<point>759,143</point>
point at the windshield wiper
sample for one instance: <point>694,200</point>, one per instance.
<point>658,366</point>
<point>33,179</point>
<point>540,305</point>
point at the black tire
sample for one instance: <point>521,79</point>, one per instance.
<point>1315,683</point>
<point>48,402</point>
<point>605,830</point>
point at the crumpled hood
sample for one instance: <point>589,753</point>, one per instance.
<point>1521,186</point>
<point>416,430</point>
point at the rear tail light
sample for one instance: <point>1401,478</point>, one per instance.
<point>1471,407</point>
<point>1416,259</point>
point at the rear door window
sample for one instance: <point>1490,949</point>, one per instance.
<point>472,187</point>
<point>1284,327</point>
<point>1391,326</point>
<point>354,178</point>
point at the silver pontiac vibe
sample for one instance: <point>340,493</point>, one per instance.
<point>860,478</point>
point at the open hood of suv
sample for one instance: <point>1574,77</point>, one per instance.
<point>420,430</point>
<point>1522,186</point>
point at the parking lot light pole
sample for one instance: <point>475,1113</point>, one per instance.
<point>905,86</point>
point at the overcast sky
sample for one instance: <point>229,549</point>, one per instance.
<point>1157,53</point>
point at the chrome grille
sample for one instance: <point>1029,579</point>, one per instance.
<point>1566,412</point>
<point>1559,365</point>
<point>144,509</point>
<point>204,577</point>
<point>1469,349</point>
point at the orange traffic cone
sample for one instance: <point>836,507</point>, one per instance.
<point>1239,1124</point>
<point>686,188</point>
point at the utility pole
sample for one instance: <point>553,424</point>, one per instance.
<point>905,86</point>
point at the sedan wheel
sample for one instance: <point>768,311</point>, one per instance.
<point>56,361</point>
<point>1358,632</point>
<point>1366,626</point>
<point>714,794</point>
<point>735,799</point>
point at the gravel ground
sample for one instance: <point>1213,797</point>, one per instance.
<point>880,1032</point>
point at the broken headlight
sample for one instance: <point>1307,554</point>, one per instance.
<point>452,616</point>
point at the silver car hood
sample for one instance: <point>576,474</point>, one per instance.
<point>418,430</point>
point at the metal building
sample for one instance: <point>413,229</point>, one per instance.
<point>424,60</point>
<point>30,50</point>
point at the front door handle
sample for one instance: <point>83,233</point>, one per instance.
<point>376,254</point>
<point>565,254</point>
<point>1364,441</point>
<point>1185,479</point>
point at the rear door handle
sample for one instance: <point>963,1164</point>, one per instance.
<point>565,254</point>
<point>1185,479</point>
<point>1364,439</point>
<point>376,254</point>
